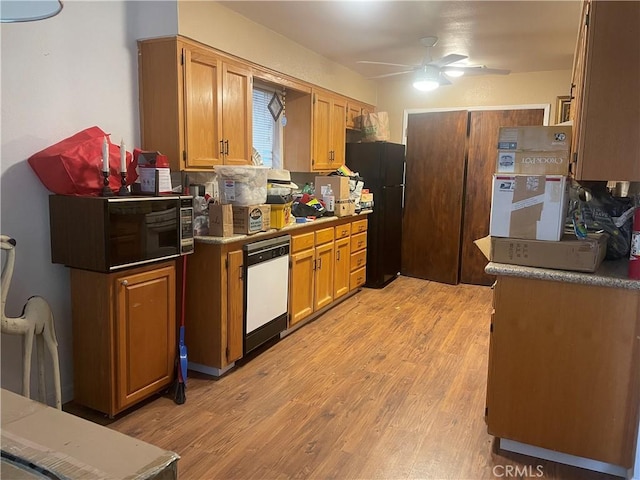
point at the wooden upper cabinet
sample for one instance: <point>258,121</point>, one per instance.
<point>329,131</point>
<point>321,132</point>
<point>237,114</point>
<point>354,111</point>
<point>202,98</point>
<point>605,113</point>
<point>195,107</point>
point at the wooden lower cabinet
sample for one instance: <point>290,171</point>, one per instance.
<point>358,244</point>
<point>214,307</point>
<point>124,335</point>
<point>342,268</point>
<point>564,368</point>
<point>301,297</point>
<point>215,287</point>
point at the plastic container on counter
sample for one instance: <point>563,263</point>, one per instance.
<point>242,185</point>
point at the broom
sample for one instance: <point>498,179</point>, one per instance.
<point>180,396</point>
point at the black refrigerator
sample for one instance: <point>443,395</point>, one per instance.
<point>381,165</point>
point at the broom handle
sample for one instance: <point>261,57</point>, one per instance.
<point>184,288</point>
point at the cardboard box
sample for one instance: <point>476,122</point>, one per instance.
<point>72,447</point>
<point>339,185</point>
<point>529,206</point>
<point>539,150</point>
<point>248,219</point>
<point>280,215</point>
<point>344,208</point>
<point>570,253</point>
<point>220,220</point>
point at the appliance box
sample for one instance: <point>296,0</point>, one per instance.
<point>251,219</point>
<point>339,185</point>
<point>570,253</point>
<point>71,447</point>
<point>529,206</point>
<point>538,150</point>
<point>344,208</point>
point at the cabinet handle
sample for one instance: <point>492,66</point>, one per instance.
<point>226,147</point>
<point>124,283</point>
<point>338,255</point>
<point>314,264</point>
<point>221,147</point>
<point>319,264</point>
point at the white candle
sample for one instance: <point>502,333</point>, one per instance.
<point>123,157</point>
<point>105,155</point>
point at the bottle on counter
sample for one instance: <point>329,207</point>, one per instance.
<point>329,200</point>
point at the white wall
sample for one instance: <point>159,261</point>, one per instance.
<point>59,76</point>
<point>397,95</point>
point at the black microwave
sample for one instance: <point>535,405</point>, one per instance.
<point>105,234</point>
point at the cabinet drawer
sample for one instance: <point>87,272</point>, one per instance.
<point>358,241</point>
<point>358,259</point>
<point>302,242</point>
<point>324,235</point>
<point>343,231</point>
<point>357,278</point>
<point>359,226</point>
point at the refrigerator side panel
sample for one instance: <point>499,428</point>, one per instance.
<point>393,164</point>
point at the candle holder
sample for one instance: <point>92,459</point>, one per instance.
<point>106,191</point>
<point>124,191</point>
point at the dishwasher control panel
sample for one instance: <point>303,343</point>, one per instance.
<point>261,251</point>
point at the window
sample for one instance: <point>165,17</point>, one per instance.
<point>267,133</point>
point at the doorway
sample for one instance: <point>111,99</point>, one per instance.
<point>450,160</point>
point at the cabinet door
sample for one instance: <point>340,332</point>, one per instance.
<point>237,115</point>
<point>202,107</point>
<point>302,283</point>
<point>342,268</point>
<point>338,132</point>
<point>321,132</point>
<point>145,346</point>
<point>324,275</point>
<point>235,305</point>
<point>607,127</point>
<point>564,376</point>
<point>354,111</point>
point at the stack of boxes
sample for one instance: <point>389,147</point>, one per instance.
<point>344,205</point>
<point>530,197</point>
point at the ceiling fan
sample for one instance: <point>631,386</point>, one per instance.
<point>430,74</point>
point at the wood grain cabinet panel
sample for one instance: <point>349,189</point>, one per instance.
<point>605,91</point>
<point>195,105</point>
<point>124,334</point>
<point>565,375</point>
<point>342,267</point>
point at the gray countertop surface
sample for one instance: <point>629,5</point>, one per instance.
<point>288,229</point>
<point>610,274</point>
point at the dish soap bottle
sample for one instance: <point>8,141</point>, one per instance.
<point>329,200</point>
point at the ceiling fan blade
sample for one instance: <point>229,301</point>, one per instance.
<point>444,80</point>
<point>391,74</point>
<point>484,71</point>
<point>446,60</point>
<point>385,63</point>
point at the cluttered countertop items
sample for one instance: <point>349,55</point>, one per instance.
<point>544,224</point>
<point>253,200</point>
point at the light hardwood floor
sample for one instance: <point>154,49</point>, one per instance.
<point>390,384</point>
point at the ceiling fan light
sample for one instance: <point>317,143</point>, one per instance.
<point>427,79</point>
<point>425,85</point>
<point>453,72</point>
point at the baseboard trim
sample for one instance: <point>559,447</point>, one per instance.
<point>538,452</point>
<point>213,371</point>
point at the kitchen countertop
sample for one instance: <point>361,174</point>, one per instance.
<point>257,236</point>
<point>610,274</point>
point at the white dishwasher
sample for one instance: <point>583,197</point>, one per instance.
<point>266,290</point>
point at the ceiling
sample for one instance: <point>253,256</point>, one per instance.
<point>520,36</point>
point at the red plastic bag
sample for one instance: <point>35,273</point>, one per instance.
<point>73,166</point>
